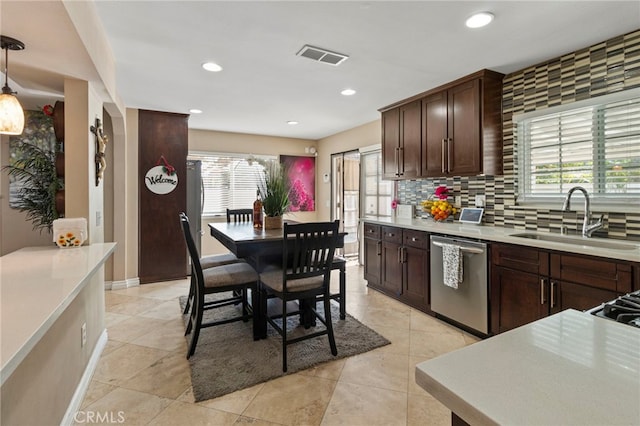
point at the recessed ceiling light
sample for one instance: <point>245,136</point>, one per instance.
<point>479,20</point>
<point>212,66</point>
<point>195,111</point>
<point>348,92</point>
<point>292,123</point>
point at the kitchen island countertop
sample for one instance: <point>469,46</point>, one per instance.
<point>571,368</point>
<point>37,284</point>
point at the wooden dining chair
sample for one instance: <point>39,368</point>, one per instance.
<point>239,215</point>
<point>233,215</point>
<point>230,278</point>
<point>308,252</point>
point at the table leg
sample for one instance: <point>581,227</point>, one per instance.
<point>307,317</point>
<point>260,317</point>
<point>343,291</point>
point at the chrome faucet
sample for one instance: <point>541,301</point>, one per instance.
<point>588,228</point>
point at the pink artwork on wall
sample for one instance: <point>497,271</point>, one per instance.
<point>301,176</point>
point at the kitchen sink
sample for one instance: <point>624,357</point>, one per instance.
<point>577,241</point>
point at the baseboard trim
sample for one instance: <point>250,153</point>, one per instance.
<point>83,386</point>
<point>120,285</point>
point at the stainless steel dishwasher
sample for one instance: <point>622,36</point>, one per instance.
<point>468,304</point>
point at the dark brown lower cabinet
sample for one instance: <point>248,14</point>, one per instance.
<point>392,274</point>
<point>372,254</point>
<point>402,256</point>
<point>519,298</point>
<point>528,284</point>
<point>415,262</point>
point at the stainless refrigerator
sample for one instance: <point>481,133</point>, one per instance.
<point>195,202</point>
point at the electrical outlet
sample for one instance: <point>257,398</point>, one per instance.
<point>83,333</point>
<point>98,218</point>
<point>480,200</point>
<point>457,200</point>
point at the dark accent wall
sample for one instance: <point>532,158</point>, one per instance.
<point>162,252</point>
<point>606,67</point>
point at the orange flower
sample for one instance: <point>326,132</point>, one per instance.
<point>69,235</point>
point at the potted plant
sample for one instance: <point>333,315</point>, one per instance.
<point>32,169</point>
<point>274,192</point>
<point>35,170</point>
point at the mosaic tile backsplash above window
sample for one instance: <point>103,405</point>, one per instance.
<point>603,68</point>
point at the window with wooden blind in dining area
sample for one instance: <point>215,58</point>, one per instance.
<point>594,144</point>
<point>229,180</point>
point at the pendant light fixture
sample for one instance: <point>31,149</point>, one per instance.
<point>11,113</point>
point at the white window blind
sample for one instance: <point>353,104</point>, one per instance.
<point>595,146</point>
<point>229,181</point>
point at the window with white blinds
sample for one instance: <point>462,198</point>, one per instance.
<point>229,181</point>
<point>595,146</point>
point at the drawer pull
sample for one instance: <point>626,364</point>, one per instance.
<point>553,289</point>
<point>542,291</point>
<point>414,239</point>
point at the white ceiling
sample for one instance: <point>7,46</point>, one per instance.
<point>396,48</point>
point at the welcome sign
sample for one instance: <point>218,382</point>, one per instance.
<point>159,181</point>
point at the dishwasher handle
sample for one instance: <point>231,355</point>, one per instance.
<point>472,250</point>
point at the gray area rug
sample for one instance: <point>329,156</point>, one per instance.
<point>227,358</point>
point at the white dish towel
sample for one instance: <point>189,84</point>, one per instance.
<point>452,265</point>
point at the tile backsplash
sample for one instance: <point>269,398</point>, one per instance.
<point>603,68</point>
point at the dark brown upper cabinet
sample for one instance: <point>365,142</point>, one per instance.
<point>460,130</point>
<point>401,141</point>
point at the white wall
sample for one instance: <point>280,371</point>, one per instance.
<point>349,140</point>
<point>211,141</point>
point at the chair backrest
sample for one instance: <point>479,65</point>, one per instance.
<point>308,249</point>
<point>196,268</point>
<point>239,215</point>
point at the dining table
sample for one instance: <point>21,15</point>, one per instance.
<point>263,247</point>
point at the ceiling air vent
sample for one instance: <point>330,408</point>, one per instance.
<point>322,55</point>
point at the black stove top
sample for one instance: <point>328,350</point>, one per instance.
<point>624,309</point>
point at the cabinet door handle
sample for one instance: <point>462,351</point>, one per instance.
<point>404,255</point>
<point>444,150</point>
<point>399,254</point>
<point>553,289</point>
<point>401,160</point>
<point>542,283</point>
<point>397,161</point>
<point>449,154</point>
<point>379,248</point>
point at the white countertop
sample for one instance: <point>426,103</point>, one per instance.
<point>504,235</point>
<point>571,368</point>
<point>36,285</point>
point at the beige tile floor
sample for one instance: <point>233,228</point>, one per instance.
<point>143,375</point>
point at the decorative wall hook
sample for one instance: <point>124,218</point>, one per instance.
<point>101,144</point>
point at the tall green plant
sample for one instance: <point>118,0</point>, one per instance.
<point>33,172</point>
<point>36,172</point>
<point>274,189</point>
